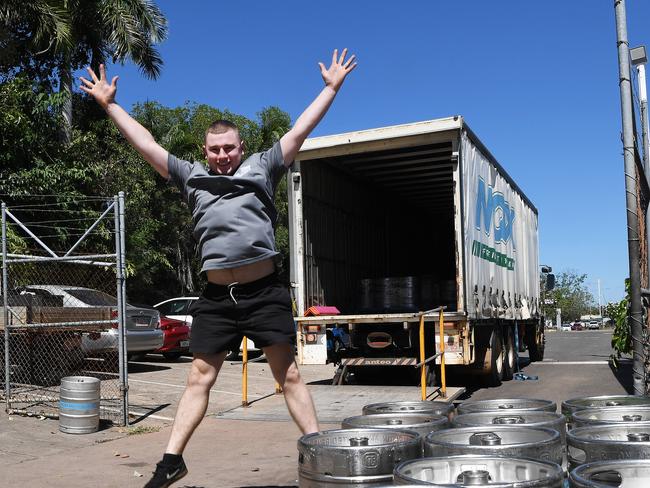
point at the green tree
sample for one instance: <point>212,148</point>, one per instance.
<point>56,37</point>
<point>570,295</point>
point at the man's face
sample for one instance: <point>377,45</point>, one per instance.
<point>223,152</point>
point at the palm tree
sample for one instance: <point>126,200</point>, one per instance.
<point>77,33</point>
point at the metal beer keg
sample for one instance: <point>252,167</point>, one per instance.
<point>508,441</point>
<point>489,471</point>
<point>354,457</point>
<point>433,408</point>
<point>608,443</point>
<point>503,404</point>
<point>422,423</point>
<point>521,418</point>
<point>608,474</point>
<point>610,415</point>
<point>79,404</point>
<point>575,404</point>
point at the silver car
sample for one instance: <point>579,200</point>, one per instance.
<point>143,332</point>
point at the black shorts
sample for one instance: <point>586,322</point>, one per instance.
<point>260,310</point>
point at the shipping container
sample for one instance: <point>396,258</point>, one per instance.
<point>390,222</point>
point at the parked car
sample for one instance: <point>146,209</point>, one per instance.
<point>593,324</point>
<point>566,327</point>
<point>176,338</point>
<point>179,308</point>
<point>143,332</point>
<point>576,326</point>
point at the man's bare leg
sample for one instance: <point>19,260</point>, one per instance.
<point>194,402</point>
<point>296,394</point>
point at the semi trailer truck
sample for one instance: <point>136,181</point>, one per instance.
<point>391,222</point>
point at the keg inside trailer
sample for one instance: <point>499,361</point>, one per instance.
<point>610,415</point>
<point>478,471</point>
<point>79,405</point>
<point>505,404</point>
<point>608,474</point>
<point>608,442</point>
<point>509,441</point>
<point>521,418</point>
<point>354,457</point>
<point>575,404</point>
<point>422,423</point>
<point>434,408</point>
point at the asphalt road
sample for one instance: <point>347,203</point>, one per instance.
<point>575,365</point>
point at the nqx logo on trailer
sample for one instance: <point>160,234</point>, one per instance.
<point>493,210</point>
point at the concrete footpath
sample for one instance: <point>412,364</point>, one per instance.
<point>256,447</point>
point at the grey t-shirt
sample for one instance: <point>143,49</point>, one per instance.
<point>233,215</point>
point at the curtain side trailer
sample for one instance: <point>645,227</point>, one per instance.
<point>390,222</point>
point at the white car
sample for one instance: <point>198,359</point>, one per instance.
<point>143,332</point>
<point>566,328</point>
<point>179,308</point>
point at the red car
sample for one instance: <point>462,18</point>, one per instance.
<point>176,338</point>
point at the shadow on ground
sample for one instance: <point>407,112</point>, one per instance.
<point>137,367</point>
<point>623,374</point>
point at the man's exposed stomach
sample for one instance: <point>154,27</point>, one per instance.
<point>242,274</point>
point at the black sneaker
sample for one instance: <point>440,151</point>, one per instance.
<point>166,474</point>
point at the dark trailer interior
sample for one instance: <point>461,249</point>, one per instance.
<point>379,226</point>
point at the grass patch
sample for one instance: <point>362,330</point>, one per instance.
<point>143,429</point>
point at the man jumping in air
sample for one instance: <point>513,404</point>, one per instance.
<point>233,212</point>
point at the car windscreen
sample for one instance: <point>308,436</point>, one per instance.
<point>94,298</point>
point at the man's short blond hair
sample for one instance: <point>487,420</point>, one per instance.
<point>221,126</point>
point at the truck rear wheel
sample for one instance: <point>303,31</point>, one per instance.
<point>495,351</point>
<point>509,353</point>
<point>535,342</point>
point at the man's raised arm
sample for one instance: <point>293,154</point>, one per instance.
<point>139,137</point>
<point>333,78</point>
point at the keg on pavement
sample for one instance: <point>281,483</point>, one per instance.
<point>575,404</point>
<point>433,408</point>
<point>608,443</point>
<point>608,474</point>
<point>354,457</point>
<point>509,441</point>
<point>502,404</point>
<point>422,423</point>
<point>457,471</point>
<point>521,418</point>
<point>610,415</point>
<point>79,404</point>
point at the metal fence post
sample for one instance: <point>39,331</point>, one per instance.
<point>119,278</point>
<point>631,188</point>
<point>5,310</point>
<point>122,291</point>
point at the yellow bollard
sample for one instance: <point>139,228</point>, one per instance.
<point>443,381</point>
<point>423,371</point>
<point>244,382</point>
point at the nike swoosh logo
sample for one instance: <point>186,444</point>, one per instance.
<point>172,474</point>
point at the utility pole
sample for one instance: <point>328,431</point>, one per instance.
<point>600,306</point>
<point>631,188</point>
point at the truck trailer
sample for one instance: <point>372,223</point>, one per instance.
<point>388,223</point>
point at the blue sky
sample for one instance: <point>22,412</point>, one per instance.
<point>536,80</point>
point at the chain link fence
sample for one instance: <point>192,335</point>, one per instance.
<point>63,308</point>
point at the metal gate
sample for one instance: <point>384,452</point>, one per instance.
<point>63,301</point>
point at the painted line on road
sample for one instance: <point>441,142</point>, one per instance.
<point>182,387</point>
<point>156,417</point>
<point>566,363</point>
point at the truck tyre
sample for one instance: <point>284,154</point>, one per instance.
<point>509,353</point>
<point>535,342</point>
<point>495,352</point>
